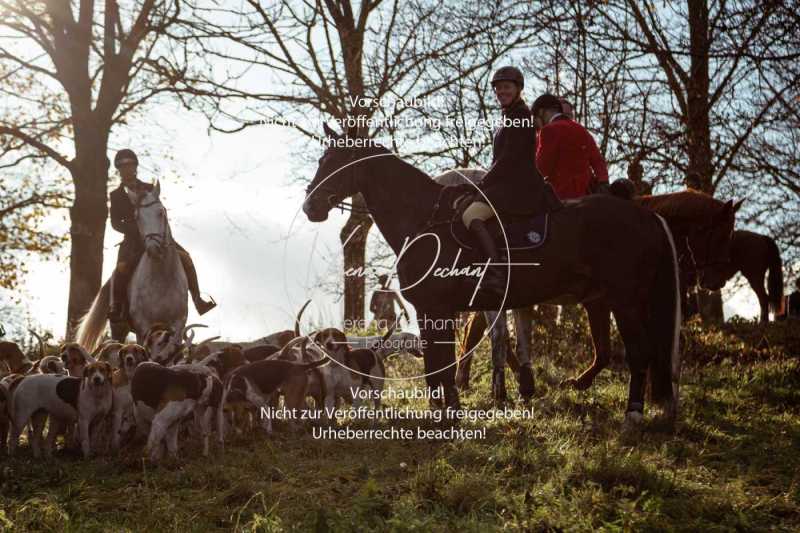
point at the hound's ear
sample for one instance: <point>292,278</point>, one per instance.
<point>89,358</point>
<point>329,131</point>
<point>737,205</point>
<point>157,189</point>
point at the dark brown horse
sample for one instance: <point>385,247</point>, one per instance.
<point>754,255</point>
<point>701,226</point>
<point>598,247</point>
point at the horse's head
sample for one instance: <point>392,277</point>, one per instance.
<point>338,175</point>
<point>161,343</point>
<point>703,228</point>
<point>709,246</point>
<point>151,217</point>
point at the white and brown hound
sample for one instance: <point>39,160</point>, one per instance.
<point>164,396</point>
<point>66,400</point>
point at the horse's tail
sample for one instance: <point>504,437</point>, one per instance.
<point>775,278</point>
<point>663,327</point>
<point>93,324</point>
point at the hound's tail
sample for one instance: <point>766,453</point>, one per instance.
<point>775,278</point>
<point>663,326</point>
<point>93,324</point>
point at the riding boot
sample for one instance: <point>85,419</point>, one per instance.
<point>201,305</point>
<point>119,295</point>
<point>494,280</point>
<point>526,387</point>
<point>499,385</point>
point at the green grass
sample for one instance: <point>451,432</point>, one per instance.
<point>733,462</point>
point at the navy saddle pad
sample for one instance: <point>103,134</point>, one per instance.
<point>523,233</point>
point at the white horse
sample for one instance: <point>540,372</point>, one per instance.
<point>158,290</point>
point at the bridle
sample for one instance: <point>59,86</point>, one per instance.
<point>690,253</point>
<point>161,238</point>
<point>333,200</point>
<point>432,222</point>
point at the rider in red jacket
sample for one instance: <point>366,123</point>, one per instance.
<point>566,153</point>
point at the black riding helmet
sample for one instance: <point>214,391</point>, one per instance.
<point>546,101</point>
<point>126,155</point>
<point>509,74</point>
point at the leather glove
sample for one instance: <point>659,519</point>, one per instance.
<point>460,193</point>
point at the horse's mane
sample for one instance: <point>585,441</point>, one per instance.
<point>688,204</point>
<point>459,176</point>
<point>410,171</point>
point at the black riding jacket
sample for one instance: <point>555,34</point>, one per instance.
<point>123,217</point>
<point>513,184</point>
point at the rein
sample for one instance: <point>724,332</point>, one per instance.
<point>432,222</point>
<point>694,264</point>
<point>342,205</point>
<point>160,238</point>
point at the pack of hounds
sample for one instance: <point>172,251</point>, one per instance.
<point>117,395</point>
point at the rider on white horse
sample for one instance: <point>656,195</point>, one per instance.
<point>130,251</point>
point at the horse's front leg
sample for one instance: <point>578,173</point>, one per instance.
<point>120,330</point>
<point>763,300</point>
<point>600,326</point>
<point>523,326</point>
<point>473,335</point>
<point>438,336</point>
<point>498,333</point>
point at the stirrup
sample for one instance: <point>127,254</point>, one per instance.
<point>206,306</point>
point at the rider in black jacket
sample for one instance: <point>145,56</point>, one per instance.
<point>512,185</point>
<point>123,219</point>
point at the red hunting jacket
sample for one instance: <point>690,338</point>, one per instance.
<point>568,157</point>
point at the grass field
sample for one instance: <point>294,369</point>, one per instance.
<point>732,464</point>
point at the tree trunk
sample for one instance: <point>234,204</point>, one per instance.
<point>698,128</point>
<point>88,223</point>
<point>354,240</point>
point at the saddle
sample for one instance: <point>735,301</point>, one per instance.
<point>524,232</point>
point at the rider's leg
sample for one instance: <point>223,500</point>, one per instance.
<point>201,305</point>
<point>127,258</point>
<point>474,219</point>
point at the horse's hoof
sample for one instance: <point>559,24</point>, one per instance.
<point>633,418</point>
<point>451,399</point>
<point>436,402</point>
<point>526,387</point>
<point>499,386</point>
<point>570,383</point>
<point>578,384</point>
<point>632,425</point>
